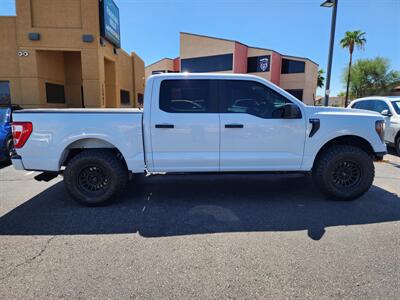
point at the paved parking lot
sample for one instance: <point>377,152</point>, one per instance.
<point>214,236</point>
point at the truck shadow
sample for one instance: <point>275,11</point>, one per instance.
<point>197,204</point>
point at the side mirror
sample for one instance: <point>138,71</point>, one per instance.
<point>291,111</point>
<point>386,113</point>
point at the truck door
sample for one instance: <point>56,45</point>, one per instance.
<point>254,136</point>
<point>184,126</point>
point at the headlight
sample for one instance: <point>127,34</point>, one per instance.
<point>380,129</point>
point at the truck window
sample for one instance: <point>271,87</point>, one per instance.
<point>241,96</point>
<point>187,96</point>
<point>380,106</point>
<point>366,105</point>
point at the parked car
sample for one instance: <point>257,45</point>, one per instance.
<point>6,141</point>
<point>389,108</point>
<point>233,123</point>
<point>5,134</point>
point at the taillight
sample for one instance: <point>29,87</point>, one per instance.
<point>21,132</point>
<point>380,129</point>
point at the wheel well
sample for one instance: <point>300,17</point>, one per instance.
<point>86,145</point>
<point>351,140</point>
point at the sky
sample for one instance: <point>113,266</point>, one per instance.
<point>293,27</point>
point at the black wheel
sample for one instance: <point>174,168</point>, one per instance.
<point>94,177</point>
<point>397,145</point>
<point>8,150</point>
<point>344,172</point>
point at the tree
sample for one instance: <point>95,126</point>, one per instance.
<point>371,77</point>
<point>321,78</point>
<point>352,39</point>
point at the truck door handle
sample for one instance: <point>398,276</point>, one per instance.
<point>164,125</point>
<point>234,126</point>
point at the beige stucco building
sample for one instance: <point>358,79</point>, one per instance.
<point>199,53</point>
<point>53,54</point>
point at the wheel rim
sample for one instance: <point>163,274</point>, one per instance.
<point>93,180</point>
<point>346,174</point>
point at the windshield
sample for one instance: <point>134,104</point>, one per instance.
<point>3,115</point>
<point>396,105</point>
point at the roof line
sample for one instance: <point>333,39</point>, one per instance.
<point>234,41</point>
<point>159,61</point>
<point>213,37</point>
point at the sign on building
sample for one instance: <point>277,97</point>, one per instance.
<point>109,22</point>
<point>257,64</point>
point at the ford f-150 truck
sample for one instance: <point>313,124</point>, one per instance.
<point>200,123</point>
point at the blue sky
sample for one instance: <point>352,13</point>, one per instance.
<point>294,27</point>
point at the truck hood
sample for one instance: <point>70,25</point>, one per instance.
<point>336,111</point>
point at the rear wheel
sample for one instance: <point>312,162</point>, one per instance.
<point>94,177</point>
<point>344,172</point>
<point>397,145</point>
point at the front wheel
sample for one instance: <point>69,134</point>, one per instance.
<point>94,177</point>
<point>397,145</point>
<point>6,157</point>
<point>344,172</point>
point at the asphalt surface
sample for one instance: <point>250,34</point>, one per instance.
<point>210,236</point>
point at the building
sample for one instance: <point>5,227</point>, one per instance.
<point>199,53</point>
<point>57,53</point>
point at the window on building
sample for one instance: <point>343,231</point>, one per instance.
<point>292,66</point>
<point>258,64</point>
<point>213,63</point>
<point>187,96</point>
<point>125,97</point>
<point>298,93</point>
<point>55,93</point>
<point>140,99</point>
<point>5,95</point>
<point>253,98</point>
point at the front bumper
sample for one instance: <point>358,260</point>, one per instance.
<point>17,162</point>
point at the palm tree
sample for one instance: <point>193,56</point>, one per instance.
<point>321,78</point>
<point>352,39</point>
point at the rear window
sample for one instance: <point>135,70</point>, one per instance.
<point>366,105</point>
<point>187,96</point>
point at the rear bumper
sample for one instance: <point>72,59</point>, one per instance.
<point>17,162</point>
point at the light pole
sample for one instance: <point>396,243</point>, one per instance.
<point>334,4</point>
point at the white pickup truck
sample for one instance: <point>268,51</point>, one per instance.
<point>200,123</point>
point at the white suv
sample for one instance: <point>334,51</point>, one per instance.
<point>389,108</point>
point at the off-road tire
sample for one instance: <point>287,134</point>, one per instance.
<point>95,177</point>
<point>344,172</point>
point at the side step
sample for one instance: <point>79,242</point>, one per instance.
<point>46,176</point>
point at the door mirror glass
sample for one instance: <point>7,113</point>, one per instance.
<point>291,111</point>
<point>386,113</point>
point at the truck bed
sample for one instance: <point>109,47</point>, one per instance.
<point>57,131</point>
